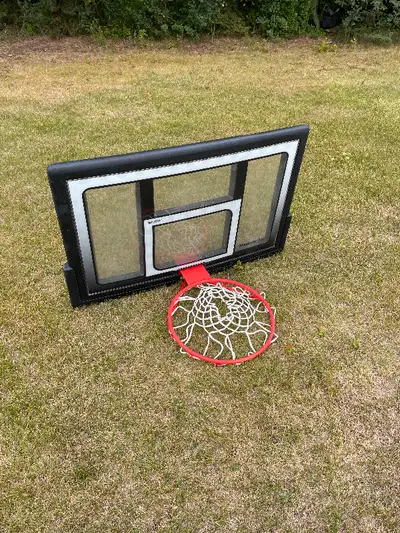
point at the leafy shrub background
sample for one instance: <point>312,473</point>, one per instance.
<point>280,17</point>
<point>158,18</point>
<point>161,18</point>
<point>374,14</point>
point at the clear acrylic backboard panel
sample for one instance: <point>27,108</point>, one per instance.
<point>190,240</point>
<point>114,233</point>
<point>133,221</point>
<point>177,191</point>
<point>263,183</point>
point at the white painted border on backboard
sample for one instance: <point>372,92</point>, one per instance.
<point>77,187</point>
<point>232,206</point>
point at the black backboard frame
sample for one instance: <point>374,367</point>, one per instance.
<point>60,173</point>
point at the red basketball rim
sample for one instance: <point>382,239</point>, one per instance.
<point>218,362</point>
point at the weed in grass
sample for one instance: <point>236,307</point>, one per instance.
<point>289,348</point>
<point>356,344</point>
<point>326,45</point>
<point>84,473</point>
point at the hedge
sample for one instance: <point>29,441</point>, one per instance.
<point>160,18</point>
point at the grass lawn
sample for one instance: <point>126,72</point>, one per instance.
<point>105,426</point>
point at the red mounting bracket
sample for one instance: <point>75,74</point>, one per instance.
<point>194,275</point>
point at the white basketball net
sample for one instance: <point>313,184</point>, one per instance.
<point>224,314</point>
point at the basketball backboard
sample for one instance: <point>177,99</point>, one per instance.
<point>131,222</point>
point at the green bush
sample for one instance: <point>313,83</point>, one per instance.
<point>377,38</point>
<point>280,17</point>
<point>162,18</point>
<point>66,17</point>
<point>231,23</point>
<point>158,18</point>
<point>370,14</point>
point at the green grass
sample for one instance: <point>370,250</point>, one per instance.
<point>105,426</point>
